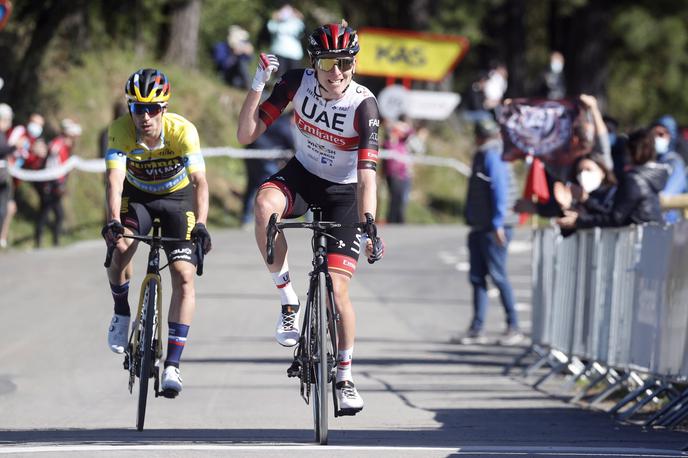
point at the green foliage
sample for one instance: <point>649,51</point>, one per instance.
<point>209,104</point>
<point>97,44</point>
<point>646,78</point>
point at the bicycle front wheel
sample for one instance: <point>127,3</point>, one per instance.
<point>146,350</point>
<point>321,366</point>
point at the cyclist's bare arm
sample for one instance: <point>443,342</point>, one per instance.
<point>201,199</point>
<point>115,184</point>
<point>367,193</point>
<point>250,125</point>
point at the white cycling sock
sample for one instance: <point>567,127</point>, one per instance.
<point>284,286</point>
<point>344,358</point>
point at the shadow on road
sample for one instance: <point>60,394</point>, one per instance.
<point>460,428</point>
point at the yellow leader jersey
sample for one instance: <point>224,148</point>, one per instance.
<point>160,170</point>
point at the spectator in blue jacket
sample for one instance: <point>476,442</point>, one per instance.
<point>232,57</point>
<point>665,132</point>
<point>491,196</point>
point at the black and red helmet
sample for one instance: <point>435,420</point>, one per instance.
<point>333,40</point>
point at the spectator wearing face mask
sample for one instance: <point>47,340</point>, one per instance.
<point>495,86</point>
<point>285,28</point>
<point>637,198</point>
<point>665,133</point>
<point>24,138</point>
<point>590,191</point>
<point>553,82</point>
<point>51,192</point>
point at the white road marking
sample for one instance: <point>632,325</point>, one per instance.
<point>480,450</point>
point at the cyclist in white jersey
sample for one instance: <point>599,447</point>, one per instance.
<point>336,139</point>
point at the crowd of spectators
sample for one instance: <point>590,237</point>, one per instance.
<point>612,178</point>
<point>604,177</point>
<point>26,147</point>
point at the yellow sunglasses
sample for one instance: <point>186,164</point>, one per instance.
<point>326,64</point>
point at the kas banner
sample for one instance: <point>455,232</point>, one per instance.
<point>407,54</point>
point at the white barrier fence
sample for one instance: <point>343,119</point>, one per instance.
<point>98,165</point>
<point>610,306</point>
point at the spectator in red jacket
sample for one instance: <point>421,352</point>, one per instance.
<point>52,191</point>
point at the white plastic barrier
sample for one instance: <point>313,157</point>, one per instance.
<point>98,165</point>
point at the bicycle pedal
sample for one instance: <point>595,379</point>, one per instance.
<point>347,412</point>
<point>169,394</point>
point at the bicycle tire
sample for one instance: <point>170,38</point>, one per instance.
<point>147,355</point>
<point>311,352</point>
<point>322,371</point>
<point>332,342</point>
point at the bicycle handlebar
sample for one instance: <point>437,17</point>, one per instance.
<point>274,227</point>
<point>148,239</point>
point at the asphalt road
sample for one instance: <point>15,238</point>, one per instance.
<point>63,393</point>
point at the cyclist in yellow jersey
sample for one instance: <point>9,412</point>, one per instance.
<point>155,170</point>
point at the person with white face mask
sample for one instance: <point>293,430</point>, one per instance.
<point>495,86</point>
<point>553,82</point>
<point>665,132</point>
<point>590,192</point>
<point>635,200</point>
<point>589,180</point>
<point>24,138</point>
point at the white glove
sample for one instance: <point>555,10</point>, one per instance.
<point>267,63</point>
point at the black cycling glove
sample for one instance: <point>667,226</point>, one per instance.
<point>378,250</point>
<point>201,236</point>
<point>112,231</point>
<point>378,245</point>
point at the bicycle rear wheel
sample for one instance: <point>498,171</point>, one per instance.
<point>146,350</point>
<point>321,366</point>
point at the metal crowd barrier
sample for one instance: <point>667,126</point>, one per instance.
<point>610,310</point>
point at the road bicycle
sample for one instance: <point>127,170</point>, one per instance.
<point>315,355</point>
<point>144,350</point>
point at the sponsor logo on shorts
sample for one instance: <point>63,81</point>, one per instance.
<point>190,223</point>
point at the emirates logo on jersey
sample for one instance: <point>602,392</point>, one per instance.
<point>307,128</point>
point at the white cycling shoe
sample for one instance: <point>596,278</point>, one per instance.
<point>348,399</point>
<point>287,330</point>
<point>118,333</point>
<point>171,381</point>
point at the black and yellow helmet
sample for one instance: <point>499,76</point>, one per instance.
<point>148,85</point>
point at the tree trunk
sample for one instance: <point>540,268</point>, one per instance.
<point>23,91</point>
<point>515,46</point>
<point>585,44</point>
<point>182,47</point>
